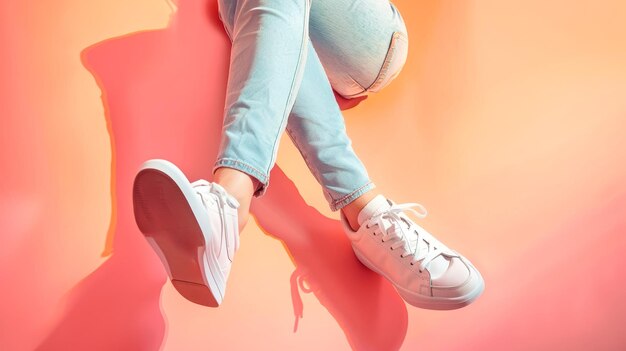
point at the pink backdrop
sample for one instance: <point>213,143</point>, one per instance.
<point>508,119</point>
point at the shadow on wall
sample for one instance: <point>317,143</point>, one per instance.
<point>163,93</point>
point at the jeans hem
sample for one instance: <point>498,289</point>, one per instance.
<point>246,168</point>
<point>345,200</point>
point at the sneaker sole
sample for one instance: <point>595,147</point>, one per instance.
<point>431,303</point>
<point>175,224</point>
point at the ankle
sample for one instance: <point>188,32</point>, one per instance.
<point>354,225</point>
<point>241,186</point>
<point>243,220</point>
<point>237,183</point>
<point>352,210</point>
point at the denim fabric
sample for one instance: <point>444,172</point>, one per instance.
<point>287,56</point>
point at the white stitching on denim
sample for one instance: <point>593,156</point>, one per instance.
<point>363,90</point>
<point>228,161</point>
<point>263,179</point>
<point>382,74</point>
<point>299,67</point>
<point>345,197</point>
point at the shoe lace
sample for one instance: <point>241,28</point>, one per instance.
<point>396,227</point>
<point>297,281</point>
<point>204,188</point>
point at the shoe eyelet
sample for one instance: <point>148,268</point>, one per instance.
<point>391,248</point>
<point>412,264</point>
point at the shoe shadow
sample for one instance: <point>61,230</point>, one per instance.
<point>367,308</point>
<point>163,93</point>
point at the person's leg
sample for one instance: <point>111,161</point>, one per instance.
<point>317,128</point>
<point>425,272</point>
<point>354,55</point>
<point>269,49</point>
<point>240,185</point>
<point>194,226</point>
<point>362,45</point>
<point>363,53</point>
<point>358,54</point>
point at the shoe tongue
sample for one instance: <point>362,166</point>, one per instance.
<point>377,204</point>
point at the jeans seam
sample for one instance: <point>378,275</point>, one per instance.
<point>337,204</point>
<point>263,178</point>
<point>313,170</point>
<point>293,138</point>
<point>361,93</point>
<point>219,13</point>
<point>383,71</point>
<point>382,74</point>
<point>299,67</point>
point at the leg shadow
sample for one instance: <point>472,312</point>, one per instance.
<point>368,309</point>
<point>163,93</point>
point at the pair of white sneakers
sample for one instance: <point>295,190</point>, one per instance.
<point>193,228</point>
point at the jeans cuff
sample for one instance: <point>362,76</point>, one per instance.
<point>340,203</point>
<point>246,168</point>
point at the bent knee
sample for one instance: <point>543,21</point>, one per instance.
<point>394,60</point>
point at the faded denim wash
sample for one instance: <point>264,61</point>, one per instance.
<point>287,56</point>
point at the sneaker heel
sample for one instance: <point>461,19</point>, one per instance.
<point>195,292</point>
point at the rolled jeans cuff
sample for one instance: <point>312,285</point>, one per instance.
<point>338,204</point>
<point>246,168</point>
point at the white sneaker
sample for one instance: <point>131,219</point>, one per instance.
<point>193,228</point>
<point>424,271</point>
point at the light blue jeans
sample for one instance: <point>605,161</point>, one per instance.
<point>287,56</point>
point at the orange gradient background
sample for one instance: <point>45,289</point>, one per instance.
<point>508,123</point>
